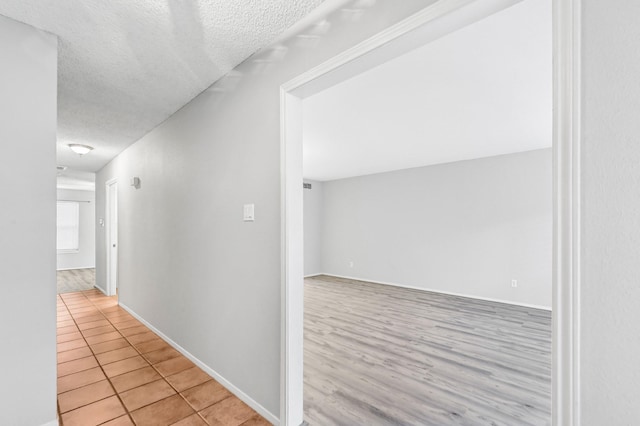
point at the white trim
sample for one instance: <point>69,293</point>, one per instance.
<point>114,181</point>
<point>72,187</point>
<point>284,261</point>
<point>469,11</point>
<point>432,290</point>
<point>292,286</point>
<point>224,382</point>
<point>76,267</point>
<point>395,31</point>
<point>101,289</point>
<point>315,275</point>
<point>566,279</point>
<point>68,251</point>
<point>566,134</point>
<point>52,423</point>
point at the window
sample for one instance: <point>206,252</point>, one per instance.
<point>68,226</point>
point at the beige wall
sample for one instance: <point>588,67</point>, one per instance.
<point>188,263</point>
<point>417,227</point>
<point>610,296</point>
<point>28,96</point>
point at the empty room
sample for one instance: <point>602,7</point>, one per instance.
<point>428,232</point>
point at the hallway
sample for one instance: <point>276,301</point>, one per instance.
<point>113,370</point>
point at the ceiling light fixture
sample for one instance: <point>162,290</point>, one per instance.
<point>79,148</point>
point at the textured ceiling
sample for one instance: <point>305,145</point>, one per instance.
<point>483,90</point>
<point>125,66</point>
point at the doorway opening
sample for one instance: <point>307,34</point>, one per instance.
<point>429,24</point>
<point>76,230</point>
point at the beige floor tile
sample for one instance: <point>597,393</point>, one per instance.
<point>85,395</point>
<point>124,366</point>
<point>192,420</point>
<point>134,379</point>
<point>205,395</point>
<point>77,365</point>
<point>78,380</point>
<point>166,411</point>
<point>146,394</point>
<point>188,378</point>
<point>117,355</point>
<point>74,354</point>
<point>228,412</point>
<point>95,413</point>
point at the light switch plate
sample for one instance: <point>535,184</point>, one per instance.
<point>249,215</point>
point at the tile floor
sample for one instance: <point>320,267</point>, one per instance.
<point>112,370</point>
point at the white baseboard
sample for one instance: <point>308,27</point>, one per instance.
<point>469,296</point>
<point>224,382</point>
<point>101,289</point>
<point>52,423</point>
<point>314,275</point>
<point>76,267</point>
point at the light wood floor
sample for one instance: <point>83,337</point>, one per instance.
<point>382,355</point>
<point>76,280</point>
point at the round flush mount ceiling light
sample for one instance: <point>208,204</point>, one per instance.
<point>79,148</point>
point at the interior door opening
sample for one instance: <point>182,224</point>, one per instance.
<point>427,25</point>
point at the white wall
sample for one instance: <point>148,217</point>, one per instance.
<point>313,214</point>
<point>28,80</point>
<point>610,296</point>
<point>357,118</point>
<point>467,227</point>
<point>188,263</point>
<point>86,255</point>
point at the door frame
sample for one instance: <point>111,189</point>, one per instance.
<point>111,284</point>
<point>566,188</point>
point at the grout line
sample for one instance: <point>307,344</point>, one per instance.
<point>162,377</point>
<point>153,366</point>
<point>100,366</point>
<point>59,413</point>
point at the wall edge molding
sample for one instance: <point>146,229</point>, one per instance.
<point>78,267</point>
<point>101,289</point>
<point>567,205</point>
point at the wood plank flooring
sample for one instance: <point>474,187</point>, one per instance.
<point>383,355</point>
<point>76,280</point>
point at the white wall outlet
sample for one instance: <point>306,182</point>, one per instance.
<point>514,283</point>
<point>351,264</point>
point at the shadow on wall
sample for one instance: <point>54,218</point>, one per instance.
<point>263,61</point>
